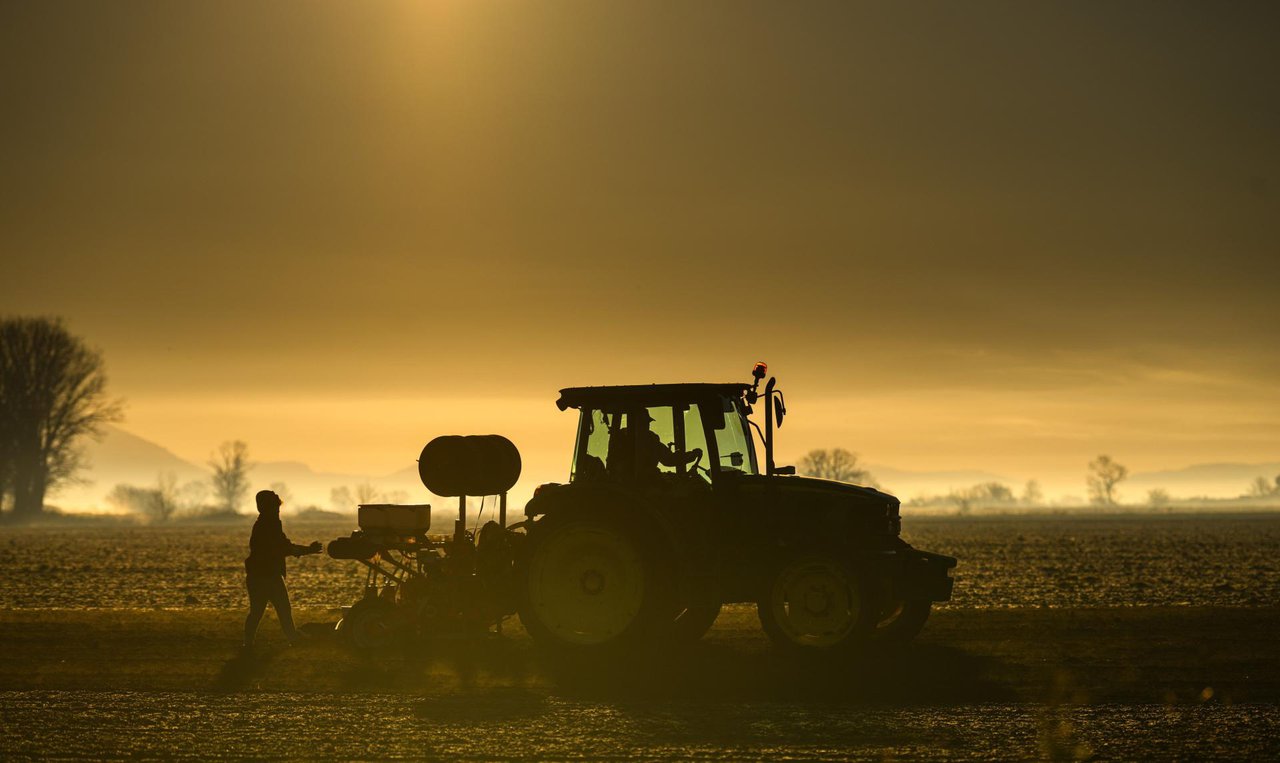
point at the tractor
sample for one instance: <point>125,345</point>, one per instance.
<point>668,514</point>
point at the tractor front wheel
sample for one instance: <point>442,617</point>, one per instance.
<point>816,604</point>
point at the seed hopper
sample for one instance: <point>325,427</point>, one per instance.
<point>421,584</point>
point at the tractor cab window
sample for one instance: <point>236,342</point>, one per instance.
<point>593,444</point>
<point>638,445</point>
<point>733,440</point>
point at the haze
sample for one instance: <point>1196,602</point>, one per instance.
<point>1005,237</point>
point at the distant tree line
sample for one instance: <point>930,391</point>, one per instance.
<point>345,498</point>
<point>227,490</point>
<point>985,495</point>
<point>228,485</point>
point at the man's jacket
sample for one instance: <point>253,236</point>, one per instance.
<point>268,546</point>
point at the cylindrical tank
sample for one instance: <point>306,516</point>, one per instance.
<point>454,465</point>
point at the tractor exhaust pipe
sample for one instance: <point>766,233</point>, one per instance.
<point>768,425</point>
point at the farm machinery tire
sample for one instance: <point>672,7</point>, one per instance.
<point>589,584</point>
<point>816,604</point>
<point>372,625</point>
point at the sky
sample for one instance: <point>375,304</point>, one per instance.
<point>997,236</point>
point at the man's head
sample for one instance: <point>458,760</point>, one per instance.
<point>268,502</point>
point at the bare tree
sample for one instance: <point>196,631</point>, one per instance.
<point>231,467</point>
<point>341,498</point>
<point>167,496</point>
<point>1104,475</point>
<point>1261,487</point>
<point>1158,498</point>
<point>1032,495</point>
<point>986,494</point>
<point>365,493</point>
<point>157,504</point>
<point>52,396</point>
<point>835,464</point>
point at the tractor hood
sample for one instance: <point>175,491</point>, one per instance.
<point>819,490</point>
<point>820,487</point>
<point>843,505</point>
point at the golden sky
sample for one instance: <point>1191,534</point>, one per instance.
<point>996,236</point>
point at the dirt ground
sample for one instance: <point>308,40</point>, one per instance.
<point>1144,682</point>
<point>1157,655</point>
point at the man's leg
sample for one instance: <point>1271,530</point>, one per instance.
<point>284,613</point>
<point>257,606</point>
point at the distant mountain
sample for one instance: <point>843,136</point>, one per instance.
<point>907,484</point>
<point>133,459</point>
<point>308,487</point>
<point>1213,480</point>
<point>123,457</point>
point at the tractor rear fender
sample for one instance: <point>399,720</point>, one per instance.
<point>598,498</point>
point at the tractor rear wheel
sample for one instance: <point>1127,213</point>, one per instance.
<point>816,604</point>
<point>590,583</point>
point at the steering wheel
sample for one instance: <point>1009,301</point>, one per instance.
<point>697,464</point>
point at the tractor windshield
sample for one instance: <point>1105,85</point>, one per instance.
<point>733,439</point>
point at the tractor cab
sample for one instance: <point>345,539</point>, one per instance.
<point>661,433</point>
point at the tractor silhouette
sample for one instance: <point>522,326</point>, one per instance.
<point>667,515</point>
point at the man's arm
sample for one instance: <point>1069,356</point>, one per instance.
<point>668,457</point>
<point>295,550</point>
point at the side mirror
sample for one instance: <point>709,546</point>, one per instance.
<point>779,410</point>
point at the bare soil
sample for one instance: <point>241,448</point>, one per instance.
<point>1176,655</point>
<point>1136,683</point>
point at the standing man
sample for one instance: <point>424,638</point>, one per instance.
<point>264,569</point>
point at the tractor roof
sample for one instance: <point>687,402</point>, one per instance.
<point>646,395</point>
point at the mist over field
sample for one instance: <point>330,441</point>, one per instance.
<point>123,458</point>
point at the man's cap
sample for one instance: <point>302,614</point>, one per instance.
<point>267,499</point>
